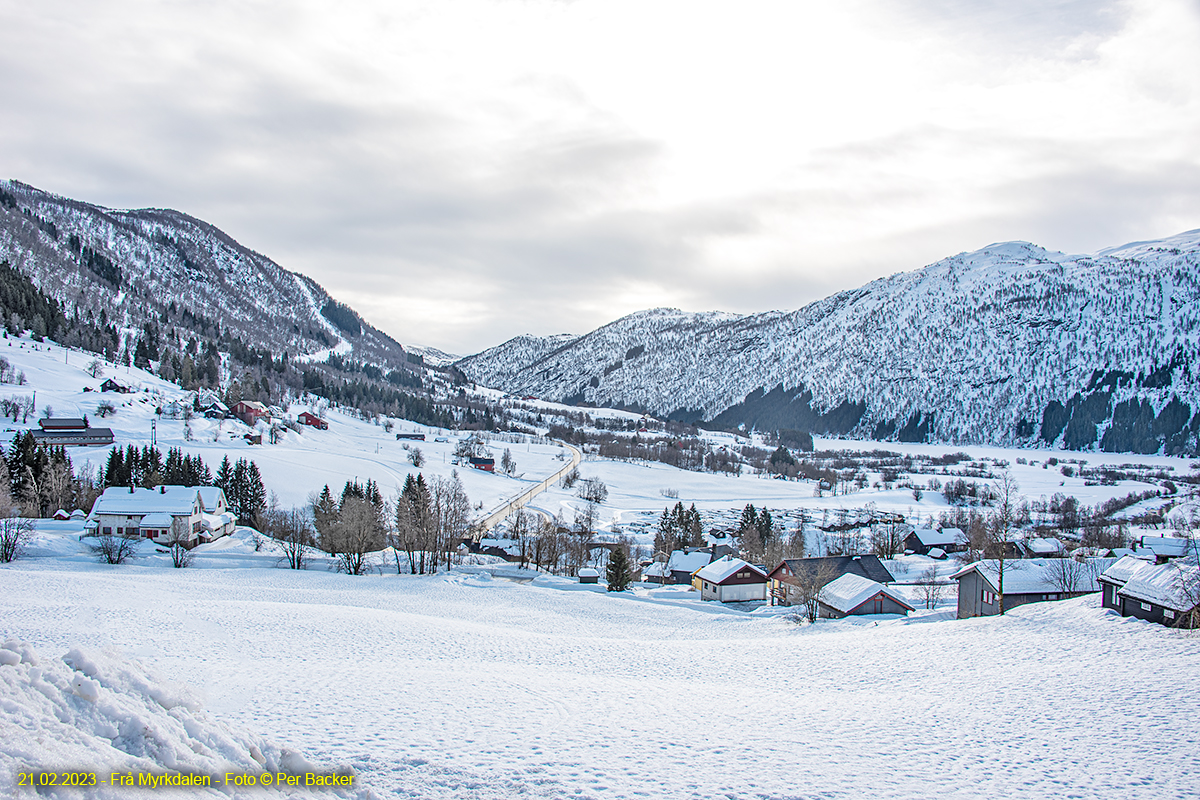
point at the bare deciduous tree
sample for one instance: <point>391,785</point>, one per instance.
<point>804,588</point>
<point>1071,575</point>
<point>292,534</point>
<point>181,551</point>
<point>931,588</point>
<point>1001,529</point>
<point>356,533</point>
<point>15,531</point>
<point>95,368</point>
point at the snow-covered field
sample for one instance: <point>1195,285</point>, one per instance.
<point>466,686</point>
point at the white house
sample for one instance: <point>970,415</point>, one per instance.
<point>163,514</point>
<point>731,580</point>
<point>218,519</point>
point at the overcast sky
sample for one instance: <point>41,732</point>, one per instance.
<point>463,171</point>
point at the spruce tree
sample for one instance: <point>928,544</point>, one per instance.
<point>618,573</point>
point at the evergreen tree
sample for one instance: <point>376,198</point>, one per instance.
<point>618,573</point>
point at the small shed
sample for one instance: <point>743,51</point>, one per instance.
<point>61,515</point>
<point>485,464</point>
<point>589,575</point>
<point>854,595</point>
<point>731,580</point>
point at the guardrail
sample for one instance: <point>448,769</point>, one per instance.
<point>497,515</point>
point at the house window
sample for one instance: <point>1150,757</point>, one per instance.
<point>1146,606</point>
<point>106,532</point>
<point>989,598</point>
<point>1168,613</point>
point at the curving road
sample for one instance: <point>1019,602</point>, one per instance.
<point>497,515</point>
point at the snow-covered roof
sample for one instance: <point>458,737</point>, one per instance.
<point>177,500</point>
<point>1173,585</point>
<point>689,562</point>
<point>850,591</point>
<point>1035,575</point>
<point>931,538</point>
<point>588,572</point>
<point>1169,546</point>
<point>156,520</point>
<point>209,495</point>
<point>214,521</point>
<point>721,569</point>
<point>1125,568</point>
<point>1044,546</point>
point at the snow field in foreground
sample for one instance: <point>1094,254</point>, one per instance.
<point>459,685</point>
<point>99,713</point>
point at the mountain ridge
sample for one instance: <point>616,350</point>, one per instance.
<point>991,346</point>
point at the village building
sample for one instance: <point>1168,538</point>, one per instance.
<point>854,595</point>
<point>786,580</point>
<point>678,569</point>
<point>730,580</point>
<point>312,420</point>
<point>164,514</point>
<point>112,385</point>
<point>1049,547</point>
<point>1165,548</point>
<point>1025,581</point>
<point>1113,579</point>
<point>589,575</point>
<point>251,411</point>
<point>485,464</point>
<point>922,540</point>
<point>71,432</point>
<point>1168,594</point>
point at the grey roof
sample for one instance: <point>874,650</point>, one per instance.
<point>864,566</point>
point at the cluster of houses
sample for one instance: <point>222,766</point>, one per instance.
<point>189,515</point>
<point>251,412</point>
<point>1155,581</point>
<point>844,585</point>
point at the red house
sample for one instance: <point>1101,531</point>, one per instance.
<point>250,411</point>
<point>485,464</point>
<point>306,418</point>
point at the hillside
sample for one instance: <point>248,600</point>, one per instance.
<point>167,268</point>
<point>1008,345</point>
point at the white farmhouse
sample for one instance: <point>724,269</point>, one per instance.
<point>164,514</point>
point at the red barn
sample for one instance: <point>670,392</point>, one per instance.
<point>306,418</point>
<point>485,464</point>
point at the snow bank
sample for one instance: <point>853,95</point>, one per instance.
<point>97,713</point>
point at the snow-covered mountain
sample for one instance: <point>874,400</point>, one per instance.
<point>157,264</point>
<point>1009,344</point>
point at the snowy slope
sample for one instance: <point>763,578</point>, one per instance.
<point>300,463</point>
<point>974,348</point>
<point>159,256</point>
<point>456,686</point>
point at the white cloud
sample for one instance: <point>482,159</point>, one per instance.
<point>463,172</point>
